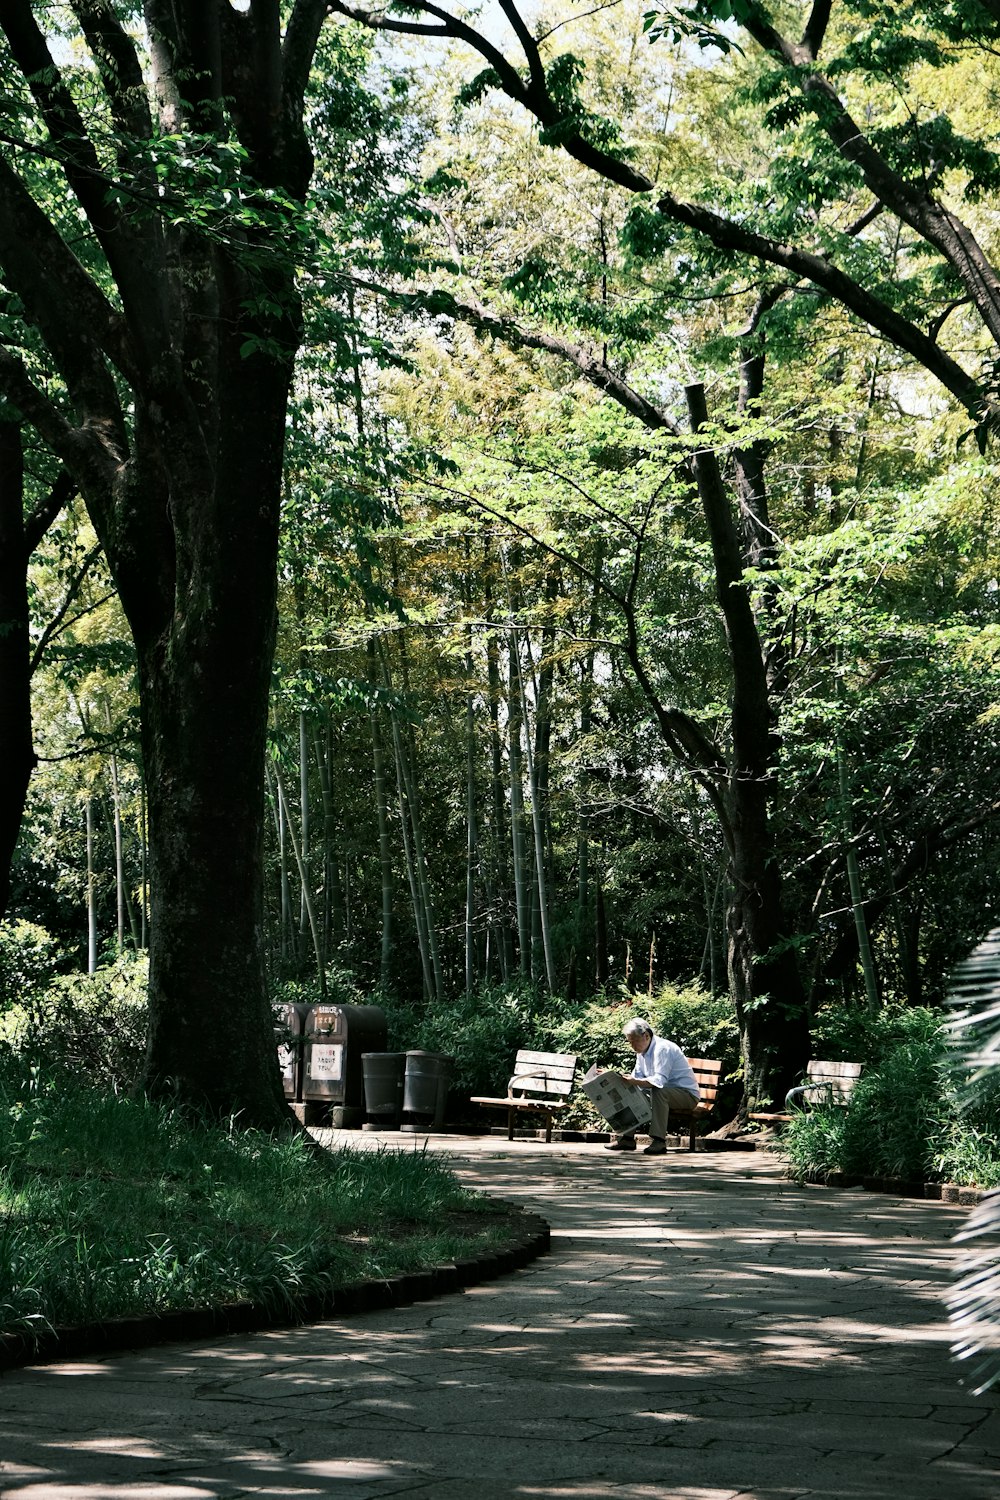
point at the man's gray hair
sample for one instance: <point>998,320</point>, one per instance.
<point>635,1026</point>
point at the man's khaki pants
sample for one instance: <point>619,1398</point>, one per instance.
<point>663,1100</point>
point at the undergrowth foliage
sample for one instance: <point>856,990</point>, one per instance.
<point>112,1206</point>
<point>910,1115</point>
<point>90,1028</point>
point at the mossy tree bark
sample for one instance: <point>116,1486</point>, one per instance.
<point>173,330</point>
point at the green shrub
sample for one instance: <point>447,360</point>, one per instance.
<point>903,1119</point>
<point>967,1154</point>
<point>701,1024</point>
<point>851,1033</point>
<point>29,961</point>
<point>896,1112</point>
<point>341,989</point>
<point>814,1143</point>
<point>90,1028</point>
<point>481,1032</point>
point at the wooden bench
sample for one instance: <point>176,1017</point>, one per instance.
<point>540,1084</point>
<point>826,1083</point>
<point>707,1074</point>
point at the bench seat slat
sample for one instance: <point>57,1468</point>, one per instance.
<point>512,1102</point>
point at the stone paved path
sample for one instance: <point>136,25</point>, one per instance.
<point>703,1330</point>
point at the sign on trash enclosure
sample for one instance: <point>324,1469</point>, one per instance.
<point>623,1104</point>
<point>326,1062</point>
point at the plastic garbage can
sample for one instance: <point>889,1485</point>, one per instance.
<point>383,1075</point>
<point>425,1090</point>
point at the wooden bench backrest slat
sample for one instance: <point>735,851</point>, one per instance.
<point>707,1073</point>
<point>839,1077</point>
<point>547,1059</point>
<point>548,1073</point>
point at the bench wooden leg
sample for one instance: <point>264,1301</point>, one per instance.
<point>510,1124</point>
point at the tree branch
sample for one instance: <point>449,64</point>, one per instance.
<point>60,298</point>
<point>815,30</point>
<point>89,453</point>
<point>529,46</point>
<point>58,109</point>
<point>118,66</point>
<point>863,220</point>
<point>508,331</point>
<point>298,50</point>
<point>533,96</point>
<point>911,203</point>
<point>55,624</point>
<point>448,25</point>
<point>593,370</point>
<point>41,518</point>
<point>75,151</point>
<point>899,330</point>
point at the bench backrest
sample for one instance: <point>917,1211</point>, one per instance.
<point>838,1078</point>
<point>707,1074</point>
<point>548,1073</point>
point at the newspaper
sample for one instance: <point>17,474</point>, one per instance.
<point>623,1104</point>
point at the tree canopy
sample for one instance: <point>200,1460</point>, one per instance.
<point>555,543</point>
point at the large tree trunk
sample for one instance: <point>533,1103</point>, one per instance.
<point>173,428</point>
<point>764,977</point>
<point>204,682</point>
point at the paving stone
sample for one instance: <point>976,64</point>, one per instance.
<point>701,1330</point>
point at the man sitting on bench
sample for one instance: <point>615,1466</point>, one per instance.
<point>665,1073</point>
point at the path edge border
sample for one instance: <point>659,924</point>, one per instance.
<point>120,1335</point>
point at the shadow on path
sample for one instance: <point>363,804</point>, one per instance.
<point>702,1330</point>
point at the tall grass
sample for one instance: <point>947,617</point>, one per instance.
<point>111,1207</point>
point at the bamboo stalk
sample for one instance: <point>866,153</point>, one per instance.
<point>306,892</point>
<point>517,810</point>
<point>384,849</point>
<point>91,892</point>
<point>539,836</point>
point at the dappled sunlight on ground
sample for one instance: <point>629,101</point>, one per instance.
<point>703,1330</point>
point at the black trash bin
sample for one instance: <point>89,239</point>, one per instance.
<point>336,1038</point>
<point>425,1091</point>
<point>383,1073</point>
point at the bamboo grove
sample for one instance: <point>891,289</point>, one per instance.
<point>585,572</point>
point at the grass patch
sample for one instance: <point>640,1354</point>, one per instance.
<point>113,1207</point>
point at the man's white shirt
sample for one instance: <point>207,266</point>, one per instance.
<point>664,1065</point>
